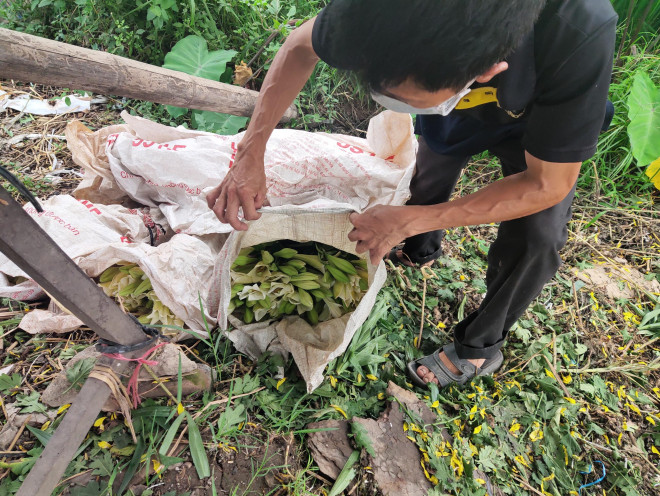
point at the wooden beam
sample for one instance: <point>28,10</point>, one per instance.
<point>28,58</point>
<point>46,473</point>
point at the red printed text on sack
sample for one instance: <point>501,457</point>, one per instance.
<point>160,146</point>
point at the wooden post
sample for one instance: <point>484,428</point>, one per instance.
<point>28,58</point>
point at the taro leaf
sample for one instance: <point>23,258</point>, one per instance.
<point>217,123</point>
<point>78,372</point>
<point>176,111</point>
<point>644,114</point>
<point>191,55</point>
<point>8,382</point>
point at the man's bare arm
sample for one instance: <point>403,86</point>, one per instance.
<point>245,184</point>
<point>541,186</point>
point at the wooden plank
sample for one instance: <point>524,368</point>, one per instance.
<point>46,473</point>
<point>28,58</point>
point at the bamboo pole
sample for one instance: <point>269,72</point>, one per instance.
<point>28,58</point>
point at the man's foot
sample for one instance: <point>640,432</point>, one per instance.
<point>398,257</point>
<point>444,367</point>
<point>427,376</point>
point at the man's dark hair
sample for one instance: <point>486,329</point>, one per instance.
<point>437,43</point>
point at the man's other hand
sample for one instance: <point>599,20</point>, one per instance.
<point>378,230</point>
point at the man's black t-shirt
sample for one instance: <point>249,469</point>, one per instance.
<point>552,96</point>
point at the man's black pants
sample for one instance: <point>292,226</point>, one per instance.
<point>520,261</point>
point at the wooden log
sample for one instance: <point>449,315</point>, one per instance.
<point>28,58</point>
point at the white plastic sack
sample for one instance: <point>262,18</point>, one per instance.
<point>79,228</point>
<point>173,168</point>
<point>313,179</point>
<point>312,347</point>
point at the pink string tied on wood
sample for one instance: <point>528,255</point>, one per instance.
<point>132,386</point>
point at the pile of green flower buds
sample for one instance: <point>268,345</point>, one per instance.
<point>315,281</point>
<point>129,285</point>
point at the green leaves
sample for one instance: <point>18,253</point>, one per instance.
<point>644,114</point>
<point>197,450</point>
<point>30,403</point>
<point>191,55</point>
<point>78,372</point>
<point>8,382</point>
<point>214,122</point>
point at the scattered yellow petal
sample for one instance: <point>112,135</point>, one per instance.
<point>372,377</point>
<point>99,423</point>
<point>104,445</point>
<point>333,381</point>
<point>63,408</point>
<point>570,400</point>
<point>477,429</point>
<point>567,379</point>
<point>180,409</point>
<point>440,325</point>
<point>655,450</point>
<point>515,427</point>
<point>158,467</point>
<point>339,410</point>
<point>650,419</point>
<point>45,426</point>
<point>280,382</point>
<point>549,374</point>
<point>381,396</point>
<point>520,459</point>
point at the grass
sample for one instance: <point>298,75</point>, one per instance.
<point>579,385</point>
<point>580,381</point>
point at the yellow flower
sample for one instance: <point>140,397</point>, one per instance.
<point>99,423</point>
<point>567,379</point>
<point>180,409</point>
<point>339,410</point>
<point>158,467</point>
<point>333,381</point>
<point>457,464</point>
<point>520,459</point>
<point>477,429</point>
<point>515,428</point>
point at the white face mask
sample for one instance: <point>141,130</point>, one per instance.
<point>443,109</point>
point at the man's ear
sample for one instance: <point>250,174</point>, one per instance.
<point>494,70</point>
